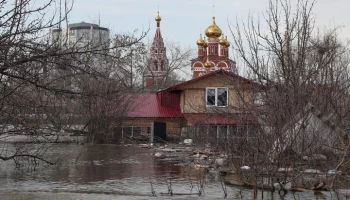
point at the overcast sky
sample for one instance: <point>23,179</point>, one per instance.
<point>183,20</point>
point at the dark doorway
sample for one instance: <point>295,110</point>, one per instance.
<point>159,130</point>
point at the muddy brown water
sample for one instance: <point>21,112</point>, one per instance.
<point>102,172</point>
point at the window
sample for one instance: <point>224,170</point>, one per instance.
<point>216,96</point>
<point>222,131</point>
<point>131,131</point>
<point>217,134</point>
<point>71,32</point>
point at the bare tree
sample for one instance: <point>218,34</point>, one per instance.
<point>302,112</point>
<point>45,81</point>
<point>130,59</point>
<point>179,59</point>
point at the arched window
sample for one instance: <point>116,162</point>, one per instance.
<point>155,66</point>
<point>162,66</point>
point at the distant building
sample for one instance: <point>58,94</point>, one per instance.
<point>81,35</point>
<point>157,67</point>
<point>209,57</point>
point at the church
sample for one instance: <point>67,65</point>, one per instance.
<point>214,104</point>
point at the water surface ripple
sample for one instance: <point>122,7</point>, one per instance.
<point>92,172</point>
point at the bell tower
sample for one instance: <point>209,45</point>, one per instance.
<point>157,65</point>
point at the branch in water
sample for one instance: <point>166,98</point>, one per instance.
<point>26,155</point>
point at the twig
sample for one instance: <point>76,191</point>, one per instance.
<point>223,186</point>
<point>25,155</point>
<point>152,189</point>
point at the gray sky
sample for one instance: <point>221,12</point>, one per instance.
<point>183,20</point>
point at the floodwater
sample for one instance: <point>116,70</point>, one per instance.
<point>101,172</point>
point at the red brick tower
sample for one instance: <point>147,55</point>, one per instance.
<point>208,51</point>
<point>157,61</point>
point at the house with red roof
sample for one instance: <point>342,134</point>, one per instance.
<point>215,103</point>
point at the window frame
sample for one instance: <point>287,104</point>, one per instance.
<point>216,96</point>
<point>71,32</point>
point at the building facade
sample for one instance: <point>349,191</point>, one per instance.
<point>81,35</point>
<point>214,105</point>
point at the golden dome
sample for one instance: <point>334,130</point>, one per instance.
<point>213,31</point>
<point>227,42</point>
<point>200,41</point>
<point>207,64</point>
<point>205,45</point>
<point>158,18</point>
<point>222,40</point>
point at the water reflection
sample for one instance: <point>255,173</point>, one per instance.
<point>115,172</point>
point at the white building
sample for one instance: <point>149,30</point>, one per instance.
<point>81,35</point>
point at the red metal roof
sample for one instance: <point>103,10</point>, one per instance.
<point>237,118</point>
<point>149,105</point>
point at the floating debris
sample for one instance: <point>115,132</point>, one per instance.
<point>245,168</point>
